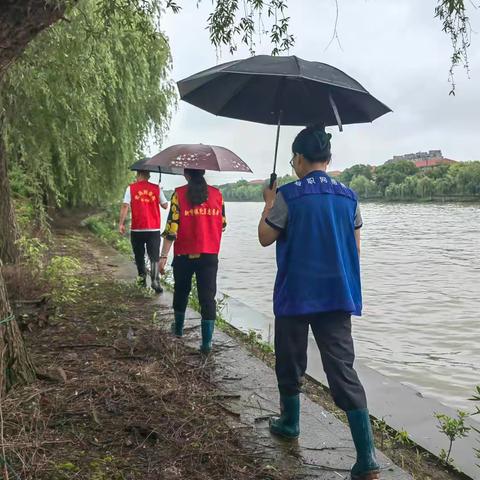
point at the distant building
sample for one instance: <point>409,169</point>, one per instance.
<point>415,157</point>
<point>433,162</point>
<point>256,182</point>
<point>429,159</point>
<point>334,173</point>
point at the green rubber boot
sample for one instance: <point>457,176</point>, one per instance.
<point>366,466</point>
<point>288,424</point>
<point>177,325</point>
<point>207,333</point>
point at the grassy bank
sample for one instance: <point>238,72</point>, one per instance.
<point>117,397</point>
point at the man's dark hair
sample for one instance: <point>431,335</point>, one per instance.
<point>144,173</point>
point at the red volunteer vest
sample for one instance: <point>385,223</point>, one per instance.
<point>200,227</point>
<point>145,206</point>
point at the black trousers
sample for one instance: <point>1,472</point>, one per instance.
<point>140,240</point>
<point>205,269</point>
<point>333,335</point>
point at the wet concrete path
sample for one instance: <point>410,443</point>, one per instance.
<point>324,450</point>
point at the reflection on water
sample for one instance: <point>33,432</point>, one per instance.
<point>421,287</point>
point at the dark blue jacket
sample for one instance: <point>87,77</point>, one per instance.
<point>317,256</point>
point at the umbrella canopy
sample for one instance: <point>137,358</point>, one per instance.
<point>286,90</point>
<point>198,157</point>
<point>140,165</point>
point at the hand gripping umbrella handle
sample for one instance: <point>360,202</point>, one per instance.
<point>273,179</point>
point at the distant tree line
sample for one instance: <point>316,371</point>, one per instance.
<point>404,181</point>
<point>243,191</point>
<point>394,181</point>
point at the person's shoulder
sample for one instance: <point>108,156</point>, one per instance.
<point>181,188</point>
<point>289,185</point>
<point>289,189</point>
<point>346,191</point>
<point>153,185</point>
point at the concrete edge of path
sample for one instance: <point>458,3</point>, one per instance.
<point>399,405</point>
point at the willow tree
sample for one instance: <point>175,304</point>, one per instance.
<point>20,22</point>
<point>82,101</point>
<point>76,108</point>
<point>78,105</point>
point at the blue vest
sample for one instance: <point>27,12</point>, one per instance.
<point>317,256</point>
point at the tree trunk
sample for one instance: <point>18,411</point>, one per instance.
<point>15,364</point>
<point>8,226</point>
<point>20,22</point>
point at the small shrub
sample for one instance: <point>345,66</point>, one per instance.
<point>61,274</point>
<point>453,428</point>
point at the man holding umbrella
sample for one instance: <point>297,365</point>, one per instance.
<point>143,199</point>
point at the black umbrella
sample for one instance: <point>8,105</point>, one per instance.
<point>281,90</point>
<point>140,165</point>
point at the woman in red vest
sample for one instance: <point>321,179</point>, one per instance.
<point>194,226</point>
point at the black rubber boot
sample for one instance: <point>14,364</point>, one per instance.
<point>155,276</point>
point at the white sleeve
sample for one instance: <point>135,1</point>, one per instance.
<point>127,198</point>
<point>163,198</point>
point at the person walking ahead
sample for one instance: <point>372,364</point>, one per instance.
<point>195,225</point>
<point>315,223</point>
<point>143,198</point>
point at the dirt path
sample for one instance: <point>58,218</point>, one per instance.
<point>119,397</point>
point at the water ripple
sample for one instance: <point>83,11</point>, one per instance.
<point>421,284</point>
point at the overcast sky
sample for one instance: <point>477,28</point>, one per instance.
<point>396,50</point>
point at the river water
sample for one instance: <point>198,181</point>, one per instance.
<point>421,289</point>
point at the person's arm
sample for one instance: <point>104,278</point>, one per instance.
<point>274,217</point>
<point>163,200</point>
<point>224,217</point>
<point>124,211</point>
<point>167,245</point>
<point>170,232</point>
<point>266,234</point>
<point>358,226</point>
<point>357,239</point>
<point>123,216</point>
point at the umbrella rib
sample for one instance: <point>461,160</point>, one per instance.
<point>335,111</point>
<point>298,64</point>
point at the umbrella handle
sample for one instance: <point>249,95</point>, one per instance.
<point>273,176</point>
<point>273,179</point>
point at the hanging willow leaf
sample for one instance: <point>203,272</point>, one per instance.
<point>80,107</point>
